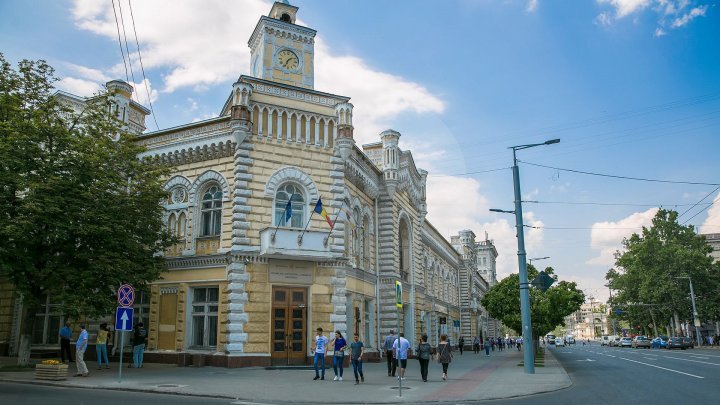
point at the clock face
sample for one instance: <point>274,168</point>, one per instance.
<point>288,59</point>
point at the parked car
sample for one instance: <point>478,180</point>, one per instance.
<point>615,341</point>
<point>570,340</point>
<point>641,341</point>
<point>675,343</point>
<point>659,342</point>
<point>688,342</point>
<point>625,342</point>
<point>605,340</point>
<point>559,342</point>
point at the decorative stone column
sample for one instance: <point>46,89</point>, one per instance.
<point>237,297</point>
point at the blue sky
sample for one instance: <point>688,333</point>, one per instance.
<point>631,87</point>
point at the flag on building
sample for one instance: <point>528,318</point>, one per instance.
<point>288,210</point>
<point>346,216</point>
<point>321,210</point>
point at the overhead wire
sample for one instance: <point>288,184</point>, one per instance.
<point>619,177</point>
<point>610,204</point>
<point>127,77</point>
<point>127,49</point>
<point>145,80</point>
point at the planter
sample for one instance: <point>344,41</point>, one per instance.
<point>52,372</point>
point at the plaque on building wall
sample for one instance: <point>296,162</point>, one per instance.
<point>290,272</point>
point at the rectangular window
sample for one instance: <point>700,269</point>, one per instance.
<point>48,321</point>
<point>205,317</point>
<point>141,309</point>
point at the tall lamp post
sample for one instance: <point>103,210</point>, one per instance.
<point>696,319</point>
<point>528,360</point>
<point>538,258</point>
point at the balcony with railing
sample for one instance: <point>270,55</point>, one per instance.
<point>293,244</point>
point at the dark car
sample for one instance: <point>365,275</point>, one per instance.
<point>675,343</point>
<point>688,342</point>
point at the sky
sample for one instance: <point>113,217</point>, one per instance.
<point>631,87</point>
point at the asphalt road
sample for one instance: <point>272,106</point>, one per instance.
<point>28,394</point>
<point>613,375</point>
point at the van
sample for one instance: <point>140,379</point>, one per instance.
<point>605,341</point>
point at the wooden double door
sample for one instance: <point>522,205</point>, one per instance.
<point>289,326</point>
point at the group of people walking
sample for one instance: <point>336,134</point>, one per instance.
<point>104,336</point>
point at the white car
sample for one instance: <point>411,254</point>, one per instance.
<point>559,342</point>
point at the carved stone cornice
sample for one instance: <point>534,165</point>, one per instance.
<point>446,252</point>
<point>280,29</point>
<point>363,177</point>
<point>181,263</point>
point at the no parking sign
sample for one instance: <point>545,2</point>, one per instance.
<point>126,295</point>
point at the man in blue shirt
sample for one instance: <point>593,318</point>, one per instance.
<point>400,349</point>
<point>80,347</point>
<point>319,349</point>
<point>65,336</point>
<point>388,346</point>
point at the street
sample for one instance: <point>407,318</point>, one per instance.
<point>611,375</point>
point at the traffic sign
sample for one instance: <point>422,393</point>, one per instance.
<point>398,294</point>
<point>126,295</point>
<point>543,281</point>
<point>123,318</point>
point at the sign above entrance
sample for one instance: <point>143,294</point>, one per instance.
<point>284,273</point>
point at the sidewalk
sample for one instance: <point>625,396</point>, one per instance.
<point>472,377</point>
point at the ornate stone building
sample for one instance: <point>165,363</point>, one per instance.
<point>251,279</point>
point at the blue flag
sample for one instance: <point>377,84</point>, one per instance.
<point>288,210</point>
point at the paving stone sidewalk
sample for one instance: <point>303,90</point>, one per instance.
<point>471,378</point>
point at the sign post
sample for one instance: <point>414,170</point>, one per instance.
<point>124,317</point>
<point>399,305</point>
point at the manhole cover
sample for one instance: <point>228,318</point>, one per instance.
<point>397,388</point>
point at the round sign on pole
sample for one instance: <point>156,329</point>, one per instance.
<point>126,295</point>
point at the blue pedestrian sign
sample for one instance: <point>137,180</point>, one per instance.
<point>398,294</point>
<point>123,318</point>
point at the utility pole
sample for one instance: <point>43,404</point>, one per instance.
<point>696,318</point>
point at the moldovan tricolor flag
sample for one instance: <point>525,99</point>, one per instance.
<point>321,210</point>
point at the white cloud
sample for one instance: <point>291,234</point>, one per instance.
<point>532,6</point>
<point>712,222</point>
<point>80,87</point>
<point>607,236</point>
<point>200,43</point>
<point>694,13</point>
<point>669,12</point>
<point>626,7</point>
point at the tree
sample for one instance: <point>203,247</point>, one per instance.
<point>79,213</point>
<point>646,273</point>
<point>547,309</point>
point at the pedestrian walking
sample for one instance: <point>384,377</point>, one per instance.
<point>424,353</point>
<point>357,348</point>
<point>339,345</point>
<point>80,347</point>
<point>476,345</point>
<point>492,344</point>
<point>461,344</point>
<point>499,344</point>
<point>444,355</point>
<point>139,340</point>
<point>319,348</point>
<point>519,342</point>
<point>400,350</point>
<point>101,346</point>
<point>388,346</point>
<point>65,336</point>
<point>487,346</point>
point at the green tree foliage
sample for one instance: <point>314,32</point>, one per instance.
<point>79,213</point>
<point>548,309</point>
<point>645,275</point>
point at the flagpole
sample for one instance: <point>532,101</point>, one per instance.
<point>306,225</point>
<point>284,216</point>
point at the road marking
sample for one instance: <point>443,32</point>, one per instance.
<point>694,361</point>
<point>651,358</point>
<point>662,368</point>
<point>701,358</point>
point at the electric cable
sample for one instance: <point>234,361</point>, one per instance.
<point>127,77</point>
<point>610,204</point>
<point>147,89</point>
<point>620,177</point>
<point>127,49</point>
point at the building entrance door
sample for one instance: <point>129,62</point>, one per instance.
<point>289,326</point>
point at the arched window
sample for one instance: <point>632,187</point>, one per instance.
<point>211,212</point>
<point>404,250</point>
<point>357,238</point>
<point>366,242</point>
<point>283,195</point>
<point>171,224</point>
<point>182,223</point>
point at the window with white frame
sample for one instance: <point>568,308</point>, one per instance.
<point>365,245</point>
<point>211,211</point>
<point>357,239</point>
<point>48,321</point>
<point>284,194</point>
<point>205,316</point>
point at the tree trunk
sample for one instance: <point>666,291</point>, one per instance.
<point>678,331</point>
<point>28,320</point>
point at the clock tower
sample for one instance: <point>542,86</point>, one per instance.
<point>282,51</point>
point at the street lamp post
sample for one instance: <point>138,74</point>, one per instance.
<point>696,319</point>
<point>528,360</point>
<point>538,258</point>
